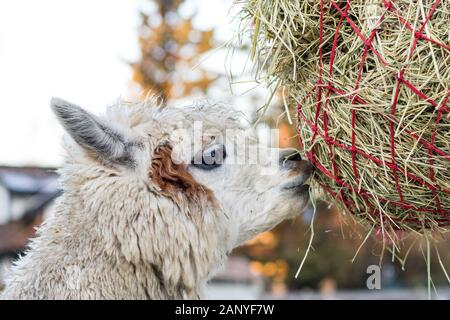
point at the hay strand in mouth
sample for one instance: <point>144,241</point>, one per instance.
<point>370,82</point>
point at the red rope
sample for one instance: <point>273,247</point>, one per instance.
<point>324,91</point>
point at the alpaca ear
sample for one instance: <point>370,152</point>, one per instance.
<point>92,133</point>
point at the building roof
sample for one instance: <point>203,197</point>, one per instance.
<point>39,187</point>
<point>28,180</point>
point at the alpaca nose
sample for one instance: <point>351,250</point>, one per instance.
<point>294,156</point>
<point>289,155</point>
<point>291,159</point>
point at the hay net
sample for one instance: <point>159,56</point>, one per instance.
<point>370,81</point>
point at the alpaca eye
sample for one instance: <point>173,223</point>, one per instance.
<point>210,158</point>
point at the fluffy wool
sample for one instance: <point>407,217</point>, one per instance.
<point>138,220</point>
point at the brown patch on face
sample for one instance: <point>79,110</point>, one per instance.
<point>173,179</point>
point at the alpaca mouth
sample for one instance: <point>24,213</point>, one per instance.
<point>302,189</point>
<point>298,184</point>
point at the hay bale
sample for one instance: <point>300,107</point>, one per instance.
<point>371,83</point>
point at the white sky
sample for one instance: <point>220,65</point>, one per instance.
<point>76,50</point>
<point>71,49</point>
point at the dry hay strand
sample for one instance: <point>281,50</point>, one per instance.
<point>369,81</point>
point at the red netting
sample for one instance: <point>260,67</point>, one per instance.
<point>325,89</point>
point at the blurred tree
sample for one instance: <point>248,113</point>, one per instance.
<point>276,254</point>
<point>170,48</point>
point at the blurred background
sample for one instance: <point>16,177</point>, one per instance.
<point>95,52</point>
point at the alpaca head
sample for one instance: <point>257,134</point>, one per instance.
<point>205,168</point>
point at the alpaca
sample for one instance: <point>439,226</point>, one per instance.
<point>150,208</point>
